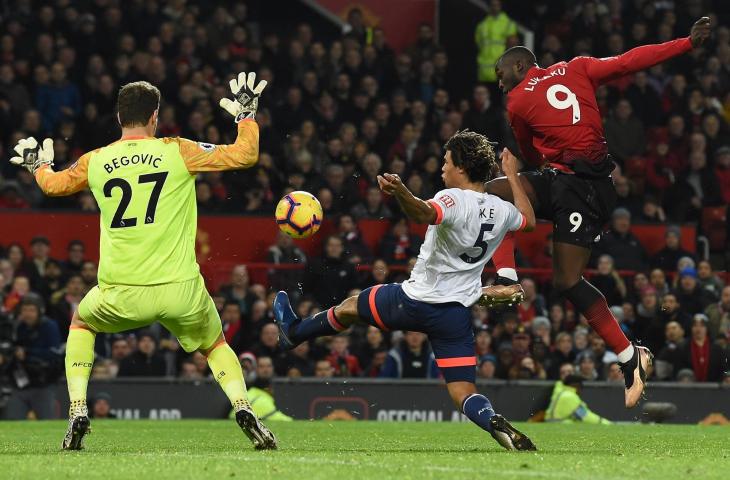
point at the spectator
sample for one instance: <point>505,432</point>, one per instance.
<point>323,369</point>
<point>344,363</point>
<point>329,278</point>
<point>296,362</point>
<point>718,315</point>
<point>602,356</point>
<point>533,303</point>
<point>375,342</point>
<point>722,172</point>
<point>36,364</point>
<point>668,361</point>
<point>692,297</point>
<point>483,117</point>
<point>355,248</point>
<point>621,244</point>
<point>101,408</point>
<point>487,367</point>
<point>614,373</point>
<point>697,188</point>
<point>483,342</point>
<point>707,279</point>
<point>372,207</point>
<point>40,248</point>
<point>284,252</point>
<point>567,406</point>
<point>231,322</point>
<point>624,133</point>
<point>708,361</point>
<point>188,371</point>
<point>608,281</point>
<point>88,274</point>
<point>59,99</point>
<point>658,280</point>
<point>666,259</point>
<point>76,251</point>
<point>399,244</point>
<point>145,361</point>
<point>65,303</point>
<point>587,366</point>
<point>239,289</point>
<point>411,359</point>
<point>492,36</point>
<point>261,393</point>
<point>527,369</point>
<point>562,354</point>
<point>268,344</point>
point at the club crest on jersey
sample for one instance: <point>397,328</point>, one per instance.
<point>447,201</point>
<point>208,147</point>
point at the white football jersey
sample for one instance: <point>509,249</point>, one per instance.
<point>469,227</point>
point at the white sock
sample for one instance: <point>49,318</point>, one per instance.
<point>510,273</point>
<point>626,354</point>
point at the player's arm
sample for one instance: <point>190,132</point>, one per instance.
<point>38,160</point>
<point>585,415</point>
<point>203,157</point>
<point>601,70</point>
<point>415,209</point>
<point>244,153</point>
<point>510,169</point>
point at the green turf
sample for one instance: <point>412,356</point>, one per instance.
<point>150,450</point>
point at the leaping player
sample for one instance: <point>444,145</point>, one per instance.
<point>465,226</point>
<point>557,124</point>
<point>145,188</point>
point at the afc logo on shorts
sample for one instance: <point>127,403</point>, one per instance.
<point>447,201</point>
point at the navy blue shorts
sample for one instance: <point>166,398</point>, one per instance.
<point>448,326</point>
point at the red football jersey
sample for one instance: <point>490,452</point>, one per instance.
<point>553,111</point>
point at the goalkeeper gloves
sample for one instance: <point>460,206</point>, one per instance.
<point>32,155</point>
<point>246,96</point>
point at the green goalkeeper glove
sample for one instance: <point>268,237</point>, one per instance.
<point>32,155</point>
<point>246,96</point>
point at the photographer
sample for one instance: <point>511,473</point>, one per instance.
<point>35,364</point>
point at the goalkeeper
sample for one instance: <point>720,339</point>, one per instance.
<point>145,188</point>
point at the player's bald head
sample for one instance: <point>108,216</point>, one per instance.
<point>513,65</point>
<point>518,53</point>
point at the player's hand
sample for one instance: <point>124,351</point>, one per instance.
<point>32,155</point>
<point>700,32</point>
<point>391,184</point>
<point>502,295</point>
<point>510,164</point>
<point>246,94</point>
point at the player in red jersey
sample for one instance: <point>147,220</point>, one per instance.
<point>557,124</point>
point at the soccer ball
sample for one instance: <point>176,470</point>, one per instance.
<point>299,214</point>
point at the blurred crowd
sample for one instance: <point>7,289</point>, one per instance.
<point>340,110</point>
<point>684,319</point>
<point>337,112</point>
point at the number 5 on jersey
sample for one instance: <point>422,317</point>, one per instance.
<point>119,221</point>
<point>480,243</point>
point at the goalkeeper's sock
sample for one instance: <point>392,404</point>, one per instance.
<point>226,369</point>
<point>79,361</point>
<point>479,410</point>
<point>319,325</point>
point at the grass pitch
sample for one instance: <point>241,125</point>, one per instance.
<point>142,450</point>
